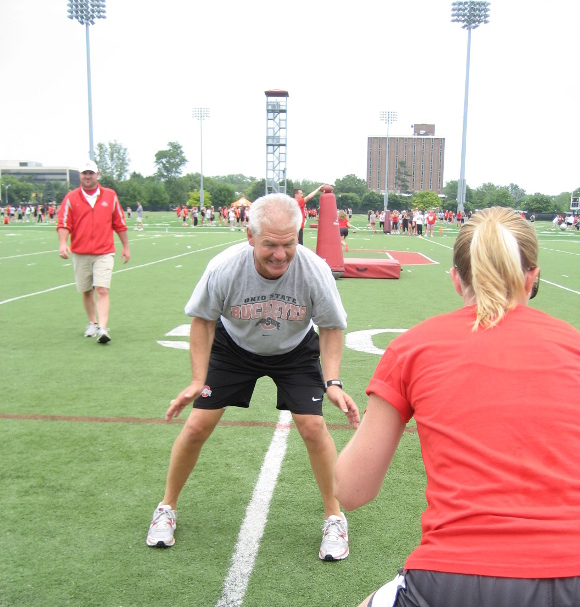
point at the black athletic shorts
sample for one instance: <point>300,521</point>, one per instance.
<point>233,372</point>
<point>437,589</point>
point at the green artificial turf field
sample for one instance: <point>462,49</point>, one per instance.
<point>84,452</point>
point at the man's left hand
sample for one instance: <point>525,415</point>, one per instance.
<point>344,402</point>
<point>125,254</point>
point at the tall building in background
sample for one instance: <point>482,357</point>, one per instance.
<point>276,124</point>
<point>415,162</point>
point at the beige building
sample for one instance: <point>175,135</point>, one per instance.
<point>415,162</point>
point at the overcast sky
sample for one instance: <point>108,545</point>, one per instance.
<point>342,63</point>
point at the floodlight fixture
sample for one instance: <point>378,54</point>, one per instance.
<point>201,113</point>
<point>471,14</point>
<point>86,12</point>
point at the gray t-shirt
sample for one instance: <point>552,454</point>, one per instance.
<point>267,317</point>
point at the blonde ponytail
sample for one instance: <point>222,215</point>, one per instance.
<point>492,253</point>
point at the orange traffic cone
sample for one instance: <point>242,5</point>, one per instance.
<point>440,229</point>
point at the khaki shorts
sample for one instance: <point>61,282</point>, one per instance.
<point>93,271</point>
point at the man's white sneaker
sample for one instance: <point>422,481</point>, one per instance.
<point>103,335</point>
<point>162,527</point>
<point>92,329</point>
<point>334,545</point>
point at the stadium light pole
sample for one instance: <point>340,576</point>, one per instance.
<point>6,186</point>
<point>85,12</point>
<point>471,14</point>
<point>200,113</point>
<point>389,118</point>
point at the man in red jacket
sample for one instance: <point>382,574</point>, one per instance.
<point>89,215</point>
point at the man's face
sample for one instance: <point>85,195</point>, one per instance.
<point>299,194</point>
<point>89,180</point>
<point>274,249</point>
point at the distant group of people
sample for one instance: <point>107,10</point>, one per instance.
<point>410,222</point>
<point>207,216</point>
<point>566,223</point>
<point>28,213</point>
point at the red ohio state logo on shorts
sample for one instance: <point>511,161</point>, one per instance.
<point>206,391</point>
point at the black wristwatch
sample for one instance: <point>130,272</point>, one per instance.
<point>332,382</point>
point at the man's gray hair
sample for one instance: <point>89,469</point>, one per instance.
<point>276,210</point>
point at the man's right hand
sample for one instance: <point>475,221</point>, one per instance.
<point>63,250</point>
<point>184,398</point>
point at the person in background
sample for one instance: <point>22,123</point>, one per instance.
<point>343,225</point>
<point>90,215</point>
<point>139,223</point>
<point>302,200</point>
<point>500,449</point>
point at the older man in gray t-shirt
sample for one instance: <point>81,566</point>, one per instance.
<point>253,314</point>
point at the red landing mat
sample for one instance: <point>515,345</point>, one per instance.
<point>371,268</point>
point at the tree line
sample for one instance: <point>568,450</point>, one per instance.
<point>168,188</point>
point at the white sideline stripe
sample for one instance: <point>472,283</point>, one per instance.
<point>559,286</point>
<point>558,251</point>
<point>144,265</point>
<point>252,528</point>
<point>440,244</point>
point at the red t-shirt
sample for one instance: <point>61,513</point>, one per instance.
<point>431,219</point>
<point>500,439</point>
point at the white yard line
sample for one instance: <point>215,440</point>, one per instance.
<point>559,286</point>
<point>558,251</point>
<point>144,265</point>
<point>446,246</point>
<point>252,528</point>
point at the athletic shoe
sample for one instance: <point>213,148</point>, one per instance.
<point>334,545</point>
<point>92,329</point>
<point>162,527</point>
<point>103,335</point>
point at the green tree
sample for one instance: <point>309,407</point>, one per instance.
<point>61,190</point>
<point>402,177</point>
<point>131,191</point>
<point>346,200</point>
<point>49,195</point>
<point>561,202</point>
<point>349,184</point>
<point>113,160</point>
<point>449,203</point>
<point>18,189</point>
<point>372,200</point>
<point>256,190</point>
<point>539,203</point>
<point>108,182</point>
<point>223,194</point>
<point>516,192</point>
<point>155,198</point>
<point>194,199</point>
<point>503,198</point>
<point>170,162</point>
<point>425,200</point>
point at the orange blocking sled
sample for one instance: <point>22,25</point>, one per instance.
<point>371,268</point>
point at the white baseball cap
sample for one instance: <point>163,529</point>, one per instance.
<point>89,165</point>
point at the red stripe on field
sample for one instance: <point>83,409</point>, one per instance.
<point>405,258</point>
<point>155,420</point>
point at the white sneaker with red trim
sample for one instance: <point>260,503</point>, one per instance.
<point>334,545</point>
<point>162,527</point>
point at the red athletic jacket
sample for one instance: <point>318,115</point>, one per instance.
<point>91,229</point>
